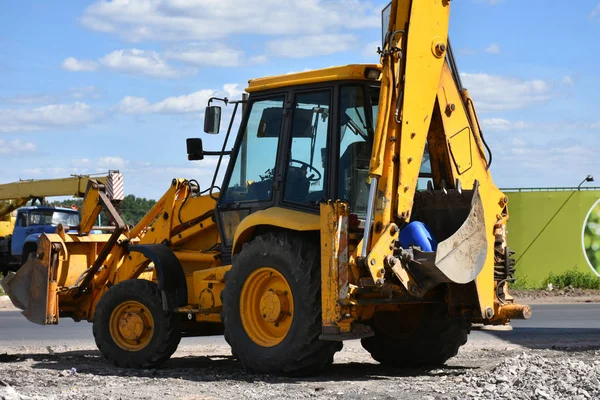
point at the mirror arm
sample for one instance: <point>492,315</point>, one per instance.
<point>224,100</point>
<point>216,153</point>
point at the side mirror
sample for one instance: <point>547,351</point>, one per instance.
<point>212,119</point>
<point>194,148</point>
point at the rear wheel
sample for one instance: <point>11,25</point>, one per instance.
<point>272,306</point>
<point>131,328</point>
<point>418,336</point>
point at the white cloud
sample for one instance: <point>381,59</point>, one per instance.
<point>563,127</point>
<point>208,20</point>
<point>142,62</point>
<point>84,91</point>
<point>465,51</point>
<point>260,59</point>
<point>312,45</point>
<point>200,54</point>
<point>189,103</point>
<point>27,99</point>
<point>370,50</point>
<point>493,49</point>
<point>496,93</point>
<point>532,162</point>
<point>111,162</point>
<point>567,81</point>
<point>81,162</point>
<point>73,64</point>
<point>233,90</point>
<point>17,147</point>
<point>49,172</point>
<point>52,116</point>
<point>595,12</point>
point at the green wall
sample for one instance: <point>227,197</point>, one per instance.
<point>546,229</point>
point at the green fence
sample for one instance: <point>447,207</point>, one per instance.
<point>554,230</point>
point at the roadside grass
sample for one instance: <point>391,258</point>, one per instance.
<point>571,278</point>
<point>2,291</point>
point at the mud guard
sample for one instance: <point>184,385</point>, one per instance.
<point>171,278</point>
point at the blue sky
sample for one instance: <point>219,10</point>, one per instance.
<point>90,85</point>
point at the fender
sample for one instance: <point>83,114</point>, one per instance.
<point>171,278</point>
<point>33,238</point>
<point>275,216</point>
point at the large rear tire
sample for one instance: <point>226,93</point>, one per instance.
<point>131,328</point>
<point>419,336</point>
<point>272,306</point>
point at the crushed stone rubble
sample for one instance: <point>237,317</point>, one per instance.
<point>519,374</point>
<point>532,376</point>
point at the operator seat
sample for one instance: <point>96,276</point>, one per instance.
<point>354,165</point>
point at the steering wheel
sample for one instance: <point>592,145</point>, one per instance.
<point>311,178</point>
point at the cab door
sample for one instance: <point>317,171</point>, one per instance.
<point>21,231</point>
<point>253,180</point>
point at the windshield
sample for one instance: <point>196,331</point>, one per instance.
<point>53,217</point>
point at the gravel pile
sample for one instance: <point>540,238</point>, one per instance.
<point>480,374</point>
<point>532,376</point>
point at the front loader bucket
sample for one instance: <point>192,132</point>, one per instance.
<point>461,257</point>
<point>31,290</point>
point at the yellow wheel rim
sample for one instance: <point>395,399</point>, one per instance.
<point>131,326</point>
<point>266,307</point>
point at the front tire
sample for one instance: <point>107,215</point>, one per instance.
<point>131,328</point>
<point>272,306</point>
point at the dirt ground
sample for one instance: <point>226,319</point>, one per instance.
<point>482,370</point>
<point>81,373</point>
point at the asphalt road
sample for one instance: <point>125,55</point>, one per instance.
<point>551,326</point>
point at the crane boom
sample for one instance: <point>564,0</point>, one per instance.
<point>16,194</point>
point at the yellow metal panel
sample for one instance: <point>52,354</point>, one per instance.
<point>424,60</point>
<point>334,264</point>
<point>457,121</point>
<point>307,77</point>
<point>460,148</point>
<point>74,186</point>
<point>275,216</point>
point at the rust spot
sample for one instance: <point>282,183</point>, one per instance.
<point>379,227</point>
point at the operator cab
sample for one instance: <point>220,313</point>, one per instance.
<point>297,146</point>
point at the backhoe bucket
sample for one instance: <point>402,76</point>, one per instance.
<point>31,290</point>
<point>461,257</point>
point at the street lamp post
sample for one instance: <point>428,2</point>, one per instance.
<point>588,178</point>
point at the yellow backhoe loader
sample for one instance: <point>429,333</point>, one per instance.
<point>357,204</point>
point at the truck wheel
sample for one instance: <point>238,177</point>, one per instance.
<point>130,327</point>
<point>272,306</point>
<point>422,336</point>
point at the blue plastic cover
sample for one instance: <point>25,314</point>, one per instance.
<point>418,234</point>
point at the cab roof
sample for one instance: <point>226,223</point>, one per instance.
<point>30,208</point>
<point>346,72</point>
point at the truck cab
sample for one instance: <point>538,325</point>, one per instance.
<point>35,220</point>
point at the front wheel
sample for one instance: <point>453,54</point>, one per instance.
<point>131,328</point>
<point>272,306</point>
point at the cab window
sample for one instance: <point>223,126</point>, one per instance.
<point>306,172</point>
<point>252,176</point>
